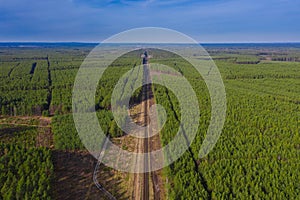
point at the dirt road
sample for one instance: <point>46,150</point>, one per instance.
<point>147,185</point>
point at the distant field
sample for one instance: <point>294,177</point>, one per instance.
<point>256,157</point>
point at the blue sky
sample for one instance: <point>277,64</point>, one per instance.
<point>203,20</point>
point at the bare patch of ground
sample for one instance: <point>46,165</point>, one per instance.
<point>159,72</point>
<point>74,177</point>
<point>24,120</point>
<point>45,136</point>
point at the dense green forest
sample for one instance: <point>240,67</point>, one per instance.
<point>258,152</point>
<point>256,157</point>
<point>25,173</point>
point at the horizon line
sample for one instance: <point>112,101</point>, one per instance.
<point>93,42</point>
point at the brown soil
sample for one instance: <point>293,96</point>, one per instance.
<point>158,73</point>
<point>45,136</point>
<point>73,176</point>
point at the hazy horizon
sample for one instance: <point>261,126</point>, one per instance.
<point>94,42</point>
